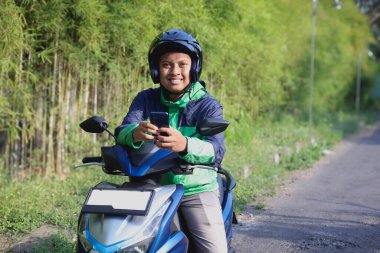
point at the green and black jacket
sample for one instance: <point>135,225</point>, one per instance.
<point>184,115</point>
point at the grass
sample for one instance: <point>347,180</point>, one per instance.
<point>260,206</point>
<point>252,148</point>
<point>58,243</point>
<point>29,204</point>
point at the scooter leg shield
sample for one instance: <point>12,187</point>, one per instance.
<point>177,243</point>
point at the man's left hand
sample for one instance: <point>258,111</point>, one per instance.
<point>174,141</point>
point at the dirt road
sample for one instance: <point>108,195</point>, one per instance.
<point>333,207</point>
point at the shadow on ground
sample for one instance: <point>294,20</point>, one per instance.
<point>45,239</point>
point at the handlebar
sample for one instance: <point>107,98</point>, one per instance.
<point>188,168</point>
<point>92,159</point>
<point>197,166</point>
<point>89,164</point>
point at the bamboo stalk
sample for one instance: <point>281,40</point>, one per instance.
<point>39,130</point>
<point>60,119</point>
<point>19,122</point>
<point>67,116</point>
<point>15,155</point>
<point>109,93</point>
<point>86,88</point>
<point>30,142</point>
<point>44,134</point>
<point>10,159</point>
<point>50,150</point>
<point>95,102</point>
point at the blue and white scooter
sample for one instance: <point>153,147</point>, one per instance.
<point>141,215</point>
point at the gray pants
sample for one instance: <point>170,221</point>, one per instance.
<point>202,216</point>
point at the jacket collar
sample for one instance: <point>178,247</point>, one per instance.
<point>197,91</point>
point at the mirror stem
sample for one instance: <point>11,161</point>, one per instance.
<point>108,131</point>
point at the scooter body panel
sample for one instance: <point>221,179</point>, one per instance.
<point>108,227</point>
<point>227,212</point>
<point>109,233</point>
<point>177,243</point>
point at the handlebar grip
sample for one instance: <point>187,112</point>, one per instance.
<point>93,159</point>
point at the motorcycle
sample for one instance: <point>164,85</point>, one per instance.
<point>141,215</point>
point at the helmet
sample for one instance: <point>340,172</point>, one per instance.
<point>175,40</point>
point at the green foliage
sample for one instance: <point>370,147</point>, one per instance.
<point>58,243</point>
<point>250,158</point>
<point>62,61</point>
<point>260,206</point>
<point>252,150</point>
<point>302,159</point>
<point>29,204</point>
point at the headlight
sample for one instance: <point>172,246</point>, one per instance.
<point>148,234</point>
<point>141,241</point>
<point>134,249</point>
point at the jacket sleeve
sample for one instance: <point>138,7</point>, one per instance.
<point>124,132</point>
<point>208,150</point>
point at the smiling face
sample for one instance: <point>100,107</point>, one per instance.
<point>175,73</point>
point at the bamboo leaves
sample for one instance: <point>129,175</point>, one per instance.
<point>62,61</point>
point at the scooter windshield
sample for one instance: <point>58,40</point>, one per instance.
<point>138,162</point>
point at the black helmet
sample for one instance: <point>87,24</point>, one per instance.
<point>175,40</point>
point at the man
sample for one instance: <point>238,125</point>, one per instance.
<point>175,62</point>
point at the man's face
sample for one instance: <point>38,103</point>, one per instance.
<point>174,71</point>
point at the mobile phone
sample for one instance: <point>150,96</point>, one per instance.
<point>159,119</point>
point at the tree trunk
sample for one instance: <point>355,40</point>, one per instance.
<point>11,158</point>
<point>60,121</point>
<point>67,116</point>
<point>19,84</point>
<point>95,102</point>
<point>86,88</point>
<point>44,132</point>
<point>109,94</point>
<point>50,151</point>
<point>39,131</point>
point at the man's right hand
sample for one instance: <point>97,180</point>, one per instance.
<point>141,132</point>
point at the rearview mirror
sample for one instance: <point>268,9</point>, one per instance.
<point>95,124</point>
<point>210,127</point>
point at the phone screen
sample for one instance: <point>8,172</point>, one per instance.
<point>159,119</point>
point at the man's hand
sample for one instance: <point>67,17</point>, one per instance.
<point>174,141</point>
<point>141,132</point>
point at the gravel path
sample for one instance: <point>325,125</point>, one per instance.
<point>333,207</point>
